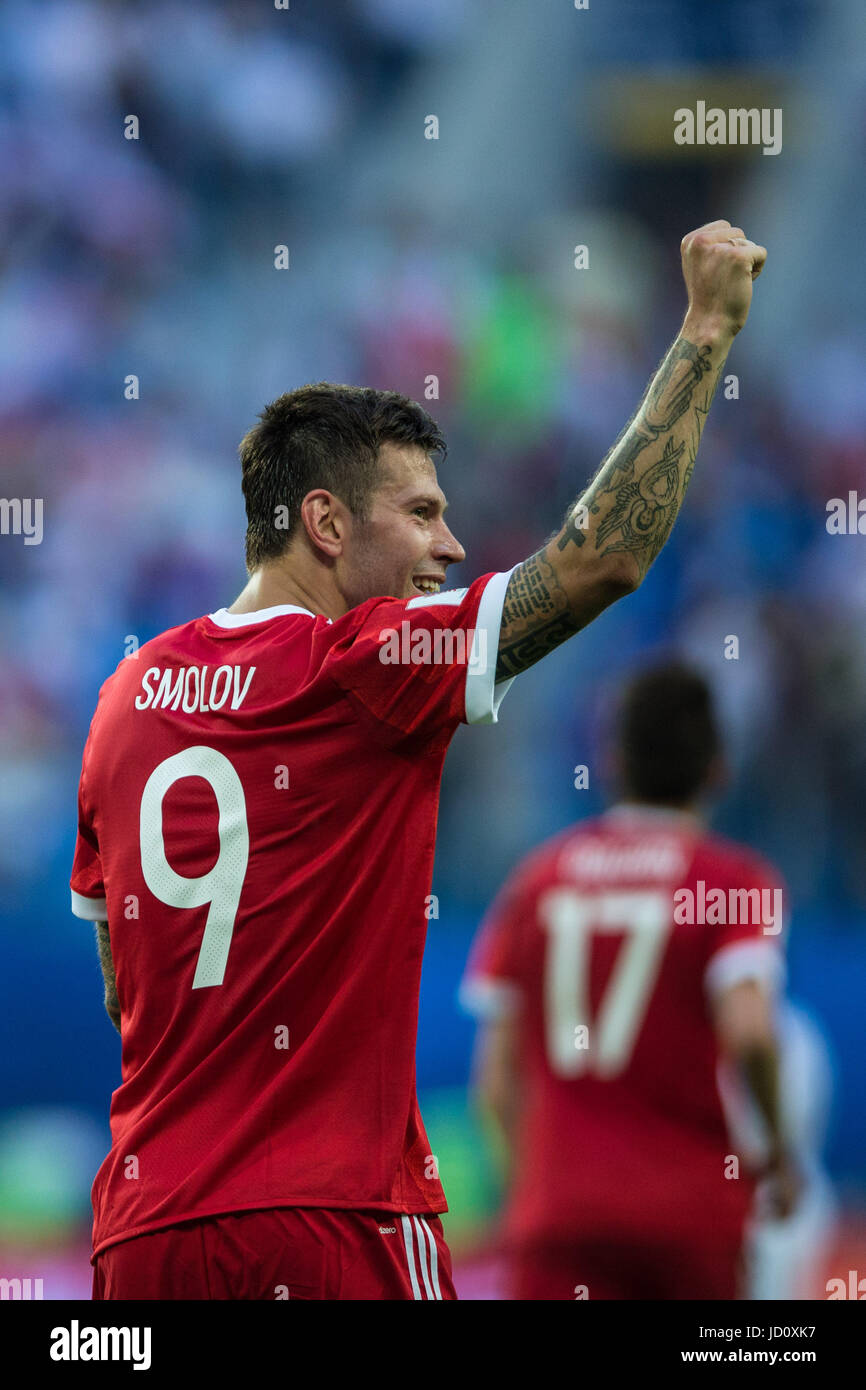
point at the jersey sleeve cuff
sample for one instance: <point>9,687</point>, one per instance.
<point>489,999</point>
<point>90,909</point>
<point>484,694</point>
<point>745,960</point>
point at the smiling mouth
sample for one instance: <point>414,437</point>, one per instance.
<point>427,584</point>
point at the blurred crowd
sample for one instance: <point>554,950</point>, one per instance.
<point>153,258</point>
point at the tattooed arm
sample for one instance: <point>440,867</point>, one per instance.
<point>616,528</point>
<point>103,945</point>
<point>618,525</point>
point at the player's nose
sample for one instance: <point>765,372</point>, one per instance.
<point>448,548</point>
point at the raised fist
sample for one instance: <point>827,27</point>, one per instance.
<point>719,266</point>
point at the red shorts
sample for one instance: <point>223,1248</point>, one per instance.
<point>623,1267</point>
<point>285,1252</point>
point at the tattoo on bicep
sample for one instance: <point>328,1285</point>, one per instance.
<point>536,616</point>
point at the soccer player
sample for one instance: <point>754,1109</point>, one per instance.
<point>257,813</point>
<point>621,959</point>
<point>786,1254</point>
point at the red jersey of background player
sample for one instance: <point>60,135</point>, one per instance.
<point>597,939</point>
<point>257,813</point>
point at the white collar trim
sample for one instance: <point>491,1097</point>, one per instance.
<point>223,618</point>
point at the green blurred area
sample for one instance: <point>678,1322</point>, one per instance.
<point>469,1166</point>
<point>510,361</point>
<point>47,1161</point>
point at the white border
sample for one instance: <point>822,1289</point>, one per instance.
<point>483,694</point>
<point>452,597</point>
<point>90,909</point>
<point>745,960</point>
<point>223,618</point>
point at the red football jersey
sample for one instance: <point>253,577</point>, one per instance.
<point>605,945</point>
<point>257,815</point>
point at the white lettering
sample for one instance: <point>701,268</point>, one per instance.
<point>240,695</point>
<point>193,688</point>
<point>217,701</point>
<point>142,703</point>
<point>76,1343</point>
<point>190,700</point>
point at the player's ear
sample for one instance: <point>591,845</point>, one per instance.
<point>323,517</point>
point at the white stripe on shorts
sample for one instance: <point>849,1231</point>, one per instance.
<point>422,1256</point>
<point>434,1259</point>
<point>410,1257</point>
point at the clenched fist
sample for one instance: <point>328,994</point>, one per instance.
<point>719,266</point>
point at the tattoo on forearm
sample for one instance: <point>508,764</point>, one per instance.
<point>630,505</point>
<point>633,501</point>
<point>643,505</point>
<point>536,616</point>
<point>673,386</point>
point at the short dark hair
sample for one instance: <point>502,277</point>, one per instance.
<point>668,734</point>
<point>327,436</point>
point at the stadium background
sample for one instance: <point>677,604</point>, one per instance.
<point>409,257</point>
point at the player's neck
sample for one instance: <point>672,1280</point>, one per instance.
<point>274,586</point>
<point>683,812</point>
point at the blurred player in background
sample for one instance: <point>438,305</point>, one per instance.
<point>786,1254</point>
<point>621,959</point>
<point>257,815</point>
